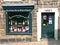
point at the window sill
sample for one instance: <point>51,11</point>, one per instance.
<point>18,33</point>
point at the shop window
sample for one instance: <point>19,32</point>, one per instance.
<point>19,23</point>
<point>18,18</point>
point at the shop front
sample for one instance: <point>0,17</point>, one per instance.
<point>18,18</point>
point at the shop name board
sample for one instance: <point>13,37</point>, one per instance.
<point>18,16</point>
<point>19,10</point>
<point>48,10</point>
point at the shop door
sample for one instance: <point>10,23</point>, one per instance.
<point>47,26</point>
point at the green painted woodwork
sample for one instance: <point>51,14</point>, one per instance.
<point>47,29</point>
<point>19,8</point>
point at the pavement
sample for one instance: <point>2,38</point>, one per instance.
<point>42,42</point>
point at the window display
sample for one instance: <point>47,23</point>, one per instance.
<point>18,21</point>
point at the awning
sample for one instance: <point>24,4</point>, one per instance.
<point>18,7</point>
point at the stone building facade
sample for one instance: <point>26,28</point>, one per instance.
<point>37,4</point>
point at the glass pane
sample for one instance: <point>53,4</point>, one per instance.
<point>18,21</point>
<point>44,20</point>
<point>50,19</point>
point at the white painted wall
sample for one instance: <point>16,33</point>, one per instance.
<point>40,10</point>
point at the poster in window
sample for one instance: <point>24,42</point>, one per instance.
<point>50,19</point>
<point>44,20</point>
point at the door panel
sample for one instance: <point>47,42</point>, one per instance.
<point>47,21</point>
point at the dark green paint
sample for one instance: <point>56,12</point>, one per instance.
<point>21,8</point>
<point>48,29</point>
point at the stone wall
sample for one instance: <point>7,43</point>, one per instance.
<point>33,37</point>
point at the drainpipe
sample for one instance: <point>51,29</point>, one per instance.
<point>37,2</point>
